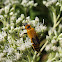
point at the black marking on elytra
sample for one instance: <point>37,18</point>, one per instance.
<point>34,41</point>
<point>37,49</point>
<point>37,40</point>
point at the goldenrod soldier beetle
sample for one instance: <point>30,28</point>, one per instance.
<point>33,36</point>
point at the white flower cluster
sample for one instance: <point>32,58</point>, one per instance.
<point>2,36</point>
<point>49,2</point>
<point>7,8</point>
<point>55,44</point>
<point>32,22</point>
<point>1,56</point>
<point>20,19</point>
<point>11,2</point>
<point>38,26</point>
<point>13,36</point>
<point>1,10</point>
<point>22,46</point>
<point>1,17</point>
<point>14,43</point>
<point>53,39</point>
<point>8,60</point>
<point>27,3</point>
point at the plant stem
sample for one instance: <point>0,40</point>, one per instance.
<point>25,13</point>
<point>29,58</point>
<point>34,56</point>
<point>42,48</point>
<point>57,23</point>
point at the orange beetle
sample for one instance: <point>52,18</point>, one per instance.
<point>33,36</point>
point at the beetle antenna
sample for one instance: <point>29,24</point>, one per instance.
<point>25,24</point>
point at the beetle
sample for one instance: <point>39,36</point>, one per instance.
<point>33,36</point>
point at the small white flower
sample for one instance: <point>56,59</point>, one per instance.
<point>6,2</point>
<point>22,16</point>
<point>15,14</point>
<point>48,60</point>
<point>28,43</point>
<point>43,21</point>
<point>18,20</point>
<point>60,42</point>
<point>37,19</point>
<point>1,10</point>
<point>1,38</point>
<point>48,47</point>
<point>1,17</point>
<point>53,41</point>
<point>60,38</point>
<point>25,45</point>
<point>19,42</point>
<point>22,32</point>
<point>15,2</point>
<point>22,27</point>
<point>31,3</point>
<point>54,48</point>
<point>8,60</point>
<point>1,55</point>
<point>40,27</point>
<point>47,37</point>
<point>57,3</point>
<point>32,22</point>
<point>12,18</point>
<point>50,31</point>
<point>22,47</point>
<point>5,15</point>
<point>9,39</point>
<point>60,25</point>
<point>48,3</point>
<point>11,13</point>
<point>44,2</point>
<point>35,4</point>
<point>24,2</point>
<point>2,35</point>
<point>7,8</point>
<point>12,24</point>
<point>17,28</point>
<point>54,1</point>
<point>12,9</point>
<point>27,3</point>
<point>24,21</point>
<point>10,50</point>
<point>28,18</point>
<point>9,36</point>
<point>57,54</point>
<point>10,31</point>
<point>18,56</point>
<point>59,49</point>
<point>12,27</point>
